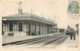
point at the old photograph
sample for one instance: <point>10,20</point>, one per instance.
<point>40,24</point>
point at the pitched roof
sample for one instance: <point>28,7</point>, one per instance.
<point>27,16</point>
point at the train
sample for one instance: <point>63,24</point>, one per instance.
<point>69,30</point>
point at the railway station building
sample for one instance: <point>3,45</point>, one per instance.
<point>23,24</point>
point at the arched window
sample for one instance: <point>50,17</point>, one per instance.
<point>20,27</point>
<point>10,26</point>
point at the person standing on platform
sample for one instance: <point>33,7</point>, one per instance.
<point>74,35</point>
<point>69,31</point>
<point>71,34</point>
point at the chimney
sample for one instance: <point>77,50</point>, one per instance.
<point>20,8</point>
<point>31,12</point>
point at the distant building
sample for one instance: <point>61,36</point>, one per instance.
<point>62,30</point>
<point>54,29</point>
<point>23,24</point>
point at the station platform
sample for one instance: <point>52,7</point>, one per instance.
<point>10,39</point>
<point>67,44</point>
<point>70,44</point>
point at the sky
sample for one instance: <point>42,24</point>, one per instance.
<point>55,10</point>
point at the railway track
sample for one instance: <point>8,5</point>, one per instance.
<point>27,41</point>
<point>55,42</point>
<point>48,41</point>
<point>41,41</point>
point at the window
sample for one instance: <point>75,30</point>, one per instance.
<point>20,26</point>
<point>10,26</point>
<point>3,26</point>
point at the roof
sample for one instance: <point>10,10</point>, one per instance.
<point>27,16</point>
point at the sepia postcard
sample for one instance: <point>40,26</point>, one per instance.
<point>38,25</point>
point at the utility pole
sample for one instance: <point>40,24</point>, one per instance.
<point>54,17</point>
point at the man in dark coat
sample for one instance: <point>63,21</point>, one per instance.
<point>73,34</point>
